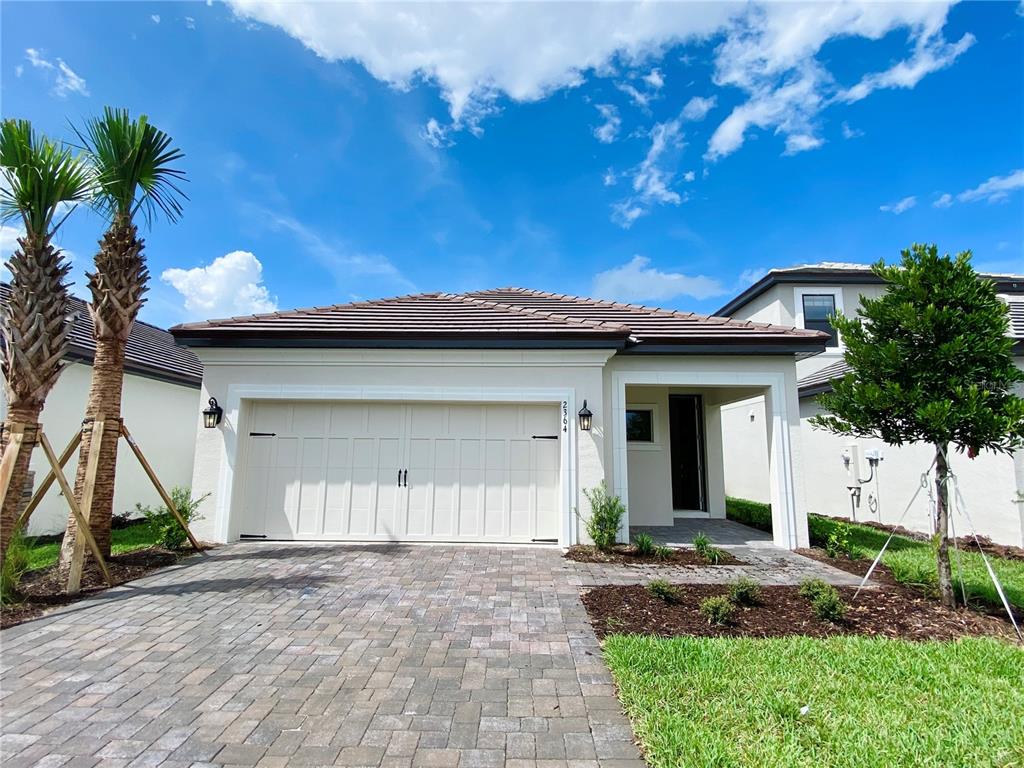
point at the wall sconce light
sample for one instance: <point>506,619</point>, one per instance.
<point>586,417</point>
<point>211,415</point>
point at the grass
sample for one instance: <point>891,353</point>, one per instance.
<point>871,702</point>
<point>138,536</point>
<point>912,562</point>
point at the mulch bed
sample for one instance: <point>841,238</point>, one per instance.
<point>43,590</point>
<point>626,554</point>
<point>781,612</point>
<point>964,542</point>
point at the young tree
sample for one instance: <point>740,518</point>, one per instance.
<point>930,361</point>
<point>40,179</point>
<point>136,173</point>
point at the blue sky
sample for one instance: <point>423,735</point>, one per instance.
<point>663,154</point>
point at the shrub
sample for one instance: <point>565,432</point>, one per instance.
<point>745,591</point>
<point>811,588</point>
<point>718,610</point>
<point>662,590</point>
<point>663,553</point>
<point>644,544</point>
<point>705,549</point>
<point>829,606</point>
<point>120,520</point>
<point>752,513</point>
<point>605,516</point>
<point>169,532</point>
<point>838,542</point>
<point>14,568</point>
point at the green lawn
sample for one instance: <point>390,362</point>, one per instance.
<point>137,536</point>
<point>872,702</point>
<point>911,562</point>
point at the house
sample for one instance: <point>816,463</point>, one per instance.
<point>483,416</point>
<point>805,296</point>
<point>159,404</point>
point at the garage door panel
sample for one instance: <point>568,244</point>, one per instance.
<point>475,473</point>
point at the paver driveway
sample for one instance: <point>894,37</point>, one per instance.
<point>264,654</point>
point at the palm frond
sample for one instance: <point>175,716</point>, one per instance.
<point>39,177</point>
<point>134,163</point>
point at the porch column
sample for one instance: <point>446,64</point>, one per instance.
<point>785,465</point>
<point>714,456</point>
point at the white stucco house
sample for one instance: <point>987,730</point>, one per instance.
<point>804,296</point>
<point>159,405</point>
<point>457,417</point>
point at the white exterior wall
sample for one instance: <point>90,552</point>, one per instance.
<point>745,445</point>
<point>162,419</point>
<point>237,377</point>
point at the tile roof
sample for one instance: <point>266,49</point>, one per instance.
<point>501,317</point>
<point>150,350</point>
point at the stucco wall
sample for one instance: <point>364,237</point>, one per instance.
<point>162,419</point>
<point>745,447</point>
<point>451,371</point>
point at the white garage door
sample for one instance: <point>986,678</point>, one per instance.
<point>397,472</point>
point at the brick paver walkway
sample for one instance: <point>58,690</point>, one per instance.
<point>298,655</point>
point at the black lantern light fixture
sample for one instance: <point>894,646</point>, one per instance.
<point>586,417</point>
<point>211,415</point>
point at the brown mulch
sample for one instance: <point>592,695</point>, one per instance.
<point>964,542</point>
<point>626,554</point>
<point>43,590</point>
<point>781,612</point>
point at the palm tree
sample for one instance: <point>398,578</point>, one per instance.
<point>134,165</point>
<point>40,179</point>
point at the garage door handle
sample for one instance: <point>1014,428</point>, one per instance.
<point>544,437</point>
<point>263,434</point>
<point>406,478</point>
<point>399,478</point>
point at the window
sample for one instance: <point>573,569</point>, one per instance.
<point>640,425</point>
<point>817,309</point>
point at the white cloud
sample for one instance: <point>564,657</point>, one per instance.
<point>931,54</point>
<point>698,107</point>
<point>652,179</point>
<point>190,23</point>
<point>751,276</point>
<point>66,80</point>
<point>479,54</point>
<point>655,79</point>
<point>435,134</point>
<point>689,176</point>
<point>19,70</point>
<point>608,131</point>
<point>943,201</point>
<point>995,189</point>
<point>609,179</point>
<point>851,133</point>
<point>230,285</point>
<point>155,18</point>
<point>900,206</point>
<point>638,281</point>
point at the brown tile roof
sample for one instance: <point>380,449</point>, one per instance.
<point>150,351</point>
<point>503,317</point>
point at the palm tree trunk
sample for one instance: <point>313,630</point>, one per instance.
<point>946,592</point>
<point>15,499</point>
<point>104,404</point>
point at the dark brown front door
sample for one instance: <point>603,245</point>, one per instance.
<point>686,440</point>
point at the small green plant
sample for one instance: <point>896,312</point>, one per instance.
<point>811,588</point>
<point>170,534</point>
<point>829,606</point>
<point>837,543</point>
<point>605,519</point>
<point>707,550</point>
<point>14,568</point>
<point>745,591</point>
<point>663,552</point>
<point>718,610</point>
<point>644,544</point>
<point>662,590</point>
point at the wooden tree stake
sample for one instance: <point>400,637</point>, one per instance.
<point>159,488</point>
<point>88,487</point>
<point>10,458</point>
<point>37,497</point>
<point>69,495</point>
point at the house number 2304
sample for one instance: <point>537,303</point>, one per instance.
<point>565,416</point>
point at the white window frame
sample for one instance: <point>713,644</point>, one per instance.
<point>655,442</point>
<point>837,297</point>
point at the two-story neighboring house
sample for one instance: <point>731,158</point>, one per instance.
<point>805,296</point>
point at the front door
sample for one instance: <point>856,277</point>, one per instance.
<point>686,441</point>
